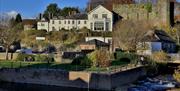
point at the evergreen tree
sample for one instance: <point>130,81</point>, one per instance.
<point>18,18</point>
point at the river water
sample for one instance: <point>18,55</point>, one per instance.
<point>158,83</point>
<point>4,86</point>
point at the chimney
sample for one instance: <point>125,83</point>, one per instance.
<point>40,16</point>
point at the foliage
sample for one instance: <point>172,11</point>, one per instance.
<point>160,56</point>
<point>82,60</point>
<point>66,10</point>
<point>100,58</point>
<point>126,37</point>
<point>176,75</point>
<point>37,58</point>
<point>18,18</point>
<point>24,57</point>
<point>127,57</point>
<point>8,36</point>
<point>52,9</point>
<point>149,7</point>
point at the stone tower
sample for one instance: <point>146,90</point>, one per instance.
<point>163,9</point>
<point>166,11</point>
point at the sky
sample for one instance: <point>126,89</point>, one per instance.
<point>31,8</point>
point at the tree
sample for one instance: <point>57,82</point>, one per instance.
<point>127,34</point>
<point>8,36</point>
<point>51,11</point>
<point>18,18</point>
<point>100,58</point>
<point>68,10</point>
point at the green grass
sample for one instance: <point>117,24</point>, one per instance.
<point>68,67</point>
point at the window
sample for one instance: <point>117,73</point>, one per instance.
<point>107,26</point>
<point>64,22</point>
<point>85,22</point>
<point>99,26</point>
<point>53,22</point>
<point>79,22</point>
<point>72,22</point>
<point>53,29</point>
<point>42,24</point>
<point>104,16</point>
<point>91,26</point>
<point>59,22</point>
<point>95,16</point>
<point>68,22</point>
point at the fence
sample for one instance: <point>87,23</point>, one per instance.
<point>66,67</point>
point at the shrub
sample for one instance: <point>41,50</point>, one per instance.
<point>39,58</point>
<point>176,75</point>
<point>100,58</point>
<point>160,56</point>
<point>127,57</point>
<point>25,57</point>
<point>82,60</point>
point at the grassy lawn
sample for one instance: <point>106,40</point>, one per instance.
<point>68,67</point>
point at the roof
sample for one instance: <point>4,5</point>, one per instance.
<point>98,7</point>
<point>29,21</point>
<point>157,36</point>
<point>96,42</point>
<point>77,16</point>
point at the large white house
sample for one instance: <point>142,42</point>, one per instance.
<point>99,19</point>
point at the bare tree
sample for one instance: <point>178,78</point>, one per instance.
<point>127,34</point>
<point>8,36</point>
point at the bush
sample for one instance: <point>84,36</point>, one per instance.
<point>160,57</point>
<point>25,57</point>
<point>38,58</point>
<point>176,75</point>
<point>127,57</point>
<point>82,60</point>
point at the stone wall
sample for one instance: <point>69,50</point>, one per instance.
<point>3,55</point>
<point>160,12</point>
<point>103,81</point>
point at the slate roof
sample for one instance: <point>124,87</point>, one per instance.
<point>96,42</point>
<point>29,21</point>
<point>77,16</point>
<point>157,36</point>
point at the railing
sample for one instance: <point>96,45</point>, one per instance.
<point>65,67</point>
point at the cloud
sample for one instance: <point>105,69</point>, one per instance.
<point>12,13</point>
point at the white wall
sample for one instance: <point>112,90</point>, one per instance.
<point>100,10</point>
<point>67,24</point>
<point>106,39</point>
<point>43,25</point>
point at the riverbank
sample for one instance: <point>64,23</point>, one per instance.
<point>101,81</point>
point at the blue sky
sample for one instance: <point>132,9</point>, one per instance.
<point>31,8</point>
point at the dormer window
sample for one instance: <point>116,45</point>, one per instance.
<point>95,16</point>
<point>104,16</point>
<point>53,22</point>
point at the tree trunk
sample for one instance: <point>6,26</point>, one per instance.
<point>7,49</point>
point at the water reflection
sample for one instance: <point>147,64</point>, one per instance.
<point>4,86</point>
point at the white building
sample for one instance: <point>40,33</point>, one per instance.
<point>99,19</point>
<point>43,25</point>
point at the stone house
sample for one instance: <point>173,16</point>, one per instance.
<point>29,24</point>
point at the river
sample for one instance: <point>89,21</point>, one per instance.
<point>4,86</point>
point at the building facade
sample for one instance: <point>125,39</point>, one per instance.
<point>99,19</point>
